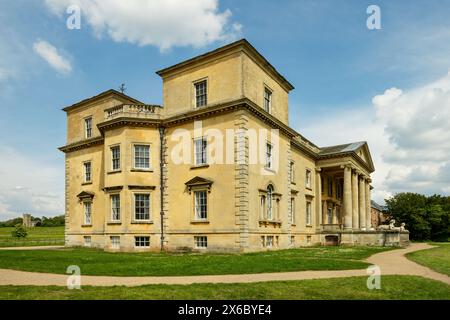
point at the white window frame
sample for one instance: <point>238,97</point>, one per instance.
<point>88,127</point>
<point>308,213</point>
<point>87,241</point>
<point>269,155</point>
<point>201,151</point>
<point>201,242</point>
<point>112,148</point>
<point>87,206</point>
<point>203,96</point>
<point>86,173</point>
<point>141,242</point>
<point>269,241</point>
<point>115,242</point>
<point>198,207</point>
<point>115,211</point>
<point>270,199</point>
<point>267,99</point>
<point>144,158</point>
<point>292,205</point>
<point>135,196</point>
<point>308,179</point>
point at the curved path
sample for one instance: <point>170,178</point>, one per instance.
<point>390,262</point>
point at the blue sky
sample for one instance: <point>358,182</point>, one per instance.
<point>324,48</point>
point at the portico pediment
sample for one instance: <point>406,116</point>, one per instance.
<point>359,151</point>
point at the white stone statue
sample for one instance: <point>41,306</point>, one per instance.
<point>389,226</point>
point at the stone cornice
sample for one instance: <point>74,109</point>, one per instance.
<point>241,45</point>
<point>82,144</point>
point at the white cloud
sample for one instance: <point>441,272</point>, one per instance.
<point>162,23</point>
<point>408,133</point>
<point>50,54</point>
<point>29,185</point>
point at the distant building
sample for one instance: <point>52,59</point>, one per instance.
<point>27,221</point>
<point>377,213</point>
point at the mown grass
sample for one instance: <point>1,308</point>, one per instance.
<point>96,262</point>
<point>437,259</point>
<point>39,236</point>
<point>392,288</point>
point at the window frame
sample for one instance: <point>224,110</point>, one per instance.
<point>85,163</point>
<point>119,159</point>
<point>269,204</point>
<point>270,242</point>
<point>308,179</point>
<point>143,241</point>
<point>269,156</point>
<point>308,211</point>
<point>203,96</point>
<point>202,240</point>
<point>267,99</point>
<point>87,204</point>
<point>139,193</point>
<point>115,244</point>
<point>203,151</point>
<point>87,244</point>
<point>197,217</point>
<point>88,127</point>
<point>134,164</point>
<point>111,202</point>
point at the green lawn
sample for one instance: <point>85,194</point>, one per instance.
<point>392,287</point>
<point>39,236</point>
<point>437,259</point>
<point>96,262</point>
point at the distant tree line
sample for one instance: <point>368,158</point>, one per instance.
<point>426,217</point>
<point>39,222</point>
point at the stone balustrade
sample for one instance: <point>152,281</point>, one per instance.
<point>133,111</point>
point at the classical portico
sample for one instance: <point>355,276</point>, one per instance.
<point>343,176</point>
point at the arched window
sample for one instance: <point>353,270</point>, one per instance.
<point>270,202</point>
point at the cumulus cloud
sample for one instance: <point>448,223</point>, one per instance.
<point>408,133</point>
<point>54,58</point>
<point>162,23</point>
<point>29,185</point>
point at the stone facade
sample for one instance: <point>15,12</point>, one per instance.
<point>127,190</point>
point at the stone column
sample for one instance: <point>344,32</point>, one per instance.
<point>347,197</point>
<point>324,212</point>
<point>368,213</point>
<point>335,217</point>
<point>362,203</point>
<point>318,198</point>
<point>355,205</point>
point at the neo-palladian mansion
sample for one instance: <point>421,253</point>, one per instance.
<point>215,168</point>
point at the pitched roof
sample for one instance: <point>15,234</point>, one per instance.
<point>110,92</point>
<point>376,206</point>
<point>243,43</point>
<point>342,148</point>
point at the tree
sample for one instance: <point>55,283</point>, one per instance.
<point>19,231</point>
<point>427,218</point>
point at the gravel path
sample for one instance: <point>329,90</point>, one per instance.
<point>390,262</point>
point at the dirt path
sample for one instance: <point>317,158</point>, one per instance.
<point>390,262</point>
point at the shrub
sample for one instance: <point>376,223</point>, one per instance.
<point>19,231</point>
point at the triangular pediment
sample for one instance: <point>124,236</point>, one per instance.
<point>199,182</point>
<point>85,195</point>
<point>363,153</point>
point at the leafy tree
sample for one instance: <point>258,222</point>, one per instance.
<point>427,218</point>
<point>19,231</point>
